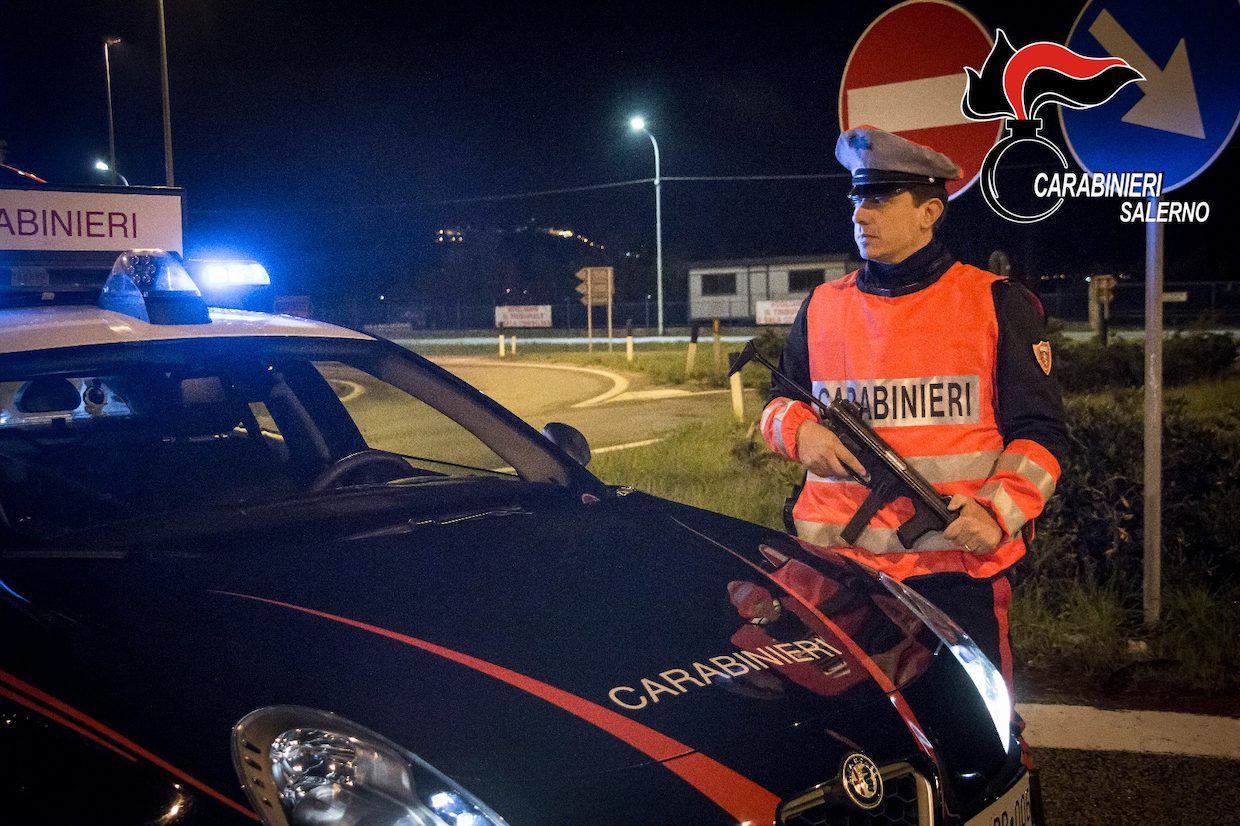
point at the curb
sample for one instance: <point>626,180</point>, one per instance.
<point>1146,732</point>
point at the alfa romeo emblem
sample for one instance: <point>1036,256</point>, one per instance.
<point>862,782</point>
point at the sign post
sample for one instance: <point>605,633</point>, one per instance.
<point>917,96</point>
<point>1175,123</point>
<point>596,288</point>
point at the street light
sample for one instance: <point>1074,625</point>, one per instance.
<point>638,124</point>
<point>163,82</point>
<point>108,42</point>
<point>102,166</point>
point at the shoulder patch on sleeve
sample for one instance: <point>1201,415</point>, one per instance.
<point>1042,352</point>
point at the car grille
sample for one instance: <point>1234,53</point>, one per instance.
<point>907,799</point>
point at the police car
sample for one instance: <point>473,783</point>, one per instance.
<point>258,568</point>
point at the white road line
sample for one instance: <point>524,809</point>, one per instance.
<point>597,451</point>
<point>626,446</point>
<point>909,104</point>
<point>1148,732</point>
<point>619,383</point>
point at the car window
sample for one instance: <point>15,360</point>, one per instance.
<point>88,447</point>
<point>390,419</point>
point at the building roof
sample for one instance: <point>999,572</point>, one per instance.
<point>776,261</point>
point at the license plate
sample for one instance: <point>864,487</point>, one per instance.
<point>1015,808</point>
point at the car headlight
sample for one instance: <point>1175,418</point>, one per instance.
<point>305,767</point>
<point>985,677</point>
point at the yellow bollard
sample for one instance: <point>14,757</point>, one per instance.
<point>691,358</point>
<point>738,397</point>
<point>501,345</point>
<point>513,348</point>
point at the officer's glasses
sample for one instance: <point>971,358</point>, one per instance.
<point>875,201</point>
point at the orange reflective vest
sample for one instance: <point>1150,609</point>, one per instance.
<point>922,369</point>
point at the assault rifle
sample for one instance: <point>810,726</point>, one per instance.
<point>887,475</point>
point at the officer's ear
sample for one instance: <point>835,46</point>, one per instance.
<point>931,210</point>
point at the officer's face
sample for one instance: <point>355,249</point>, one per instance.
<point>889,228</point>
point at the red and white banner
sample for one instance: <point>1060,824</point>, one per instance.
<point>51,220</point>
<point>523,315</point>
<point>778,312</point>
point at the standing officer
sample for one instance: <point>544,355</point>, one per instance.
<point>950,365</point>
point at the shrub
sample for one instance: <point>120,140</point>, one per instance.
<point>1087,366</point>
<point>1092,530</point>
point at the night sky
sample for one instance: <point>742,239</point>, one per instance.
<point>324,138</point>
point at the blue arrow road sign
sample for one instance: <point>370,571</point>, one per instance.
<point>1179,118</point>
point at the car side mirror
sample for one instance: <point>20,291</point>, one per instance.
<point>568,439</point>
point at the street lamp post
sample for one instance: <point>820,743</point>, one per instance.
<point>638,124</point>
<point>108,42</point>
<point>163,82</point>
<point>103,167</point>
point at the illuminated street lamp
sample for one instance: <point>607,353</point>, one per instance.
<point>638,124</point>
<point>108,42</point>
<point>103,166</point>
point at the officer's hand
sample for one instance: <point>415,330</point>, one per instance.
<point>975,529</point>
<point>823,453</point>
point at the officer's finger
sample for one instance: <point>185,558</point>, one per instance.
<point>958,501</point>
<point>849,462</point>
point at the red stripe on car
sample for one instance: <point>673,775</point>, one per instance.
<point>739,796</point>
<point>121,740</point>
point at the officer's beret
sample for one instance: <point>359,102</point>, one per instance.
<point>880,161</point>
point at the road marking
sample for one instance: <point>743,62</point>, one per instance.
<point>611,448</point>
<point>346,390</point>
<point>661,393</point>
<point>1146,732</point>
<point>595,452</point>
<point>619,383</point>
<point>910,104</point>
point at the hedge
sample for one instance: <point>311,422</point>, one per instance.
<point>1092,531</point>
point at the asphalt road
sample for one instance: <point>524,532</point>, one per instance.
<point>1102,788</point>
<point>1081,787</point>
<point>540,394</point>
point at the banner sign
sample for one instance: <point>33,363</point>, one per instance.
<point>778,312</point>
<point>525,315</point>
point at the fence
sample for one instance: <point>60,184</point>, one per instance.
<point>1215,300</point>
<point>565,315</point>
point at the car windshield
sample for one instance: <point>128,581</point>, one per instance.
<point>93,436</point>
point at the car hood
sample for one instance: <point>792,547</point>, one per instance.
<point>502,638</point>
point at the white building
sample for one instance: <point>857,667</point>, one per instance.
<point>732,289</point>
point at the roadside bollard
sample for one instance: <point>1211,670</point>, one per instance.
<point>717,346</point>
<point>691,359</point>
<point>628,340</point>
<point>513,348</point>
<point>738,396</point>
<point>501,345</point>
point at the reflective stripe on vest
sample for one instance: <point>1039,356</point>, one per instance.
<point>921,367</point>
<point>772,424</point>
<point>944,469</point>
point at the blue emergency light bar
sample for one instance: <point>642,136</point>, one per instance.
<point>149,284</point>
<point>222,274</point>
<point>153,286</point>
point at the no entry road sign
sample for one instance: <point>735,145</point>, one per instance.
<point>906,75</point>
